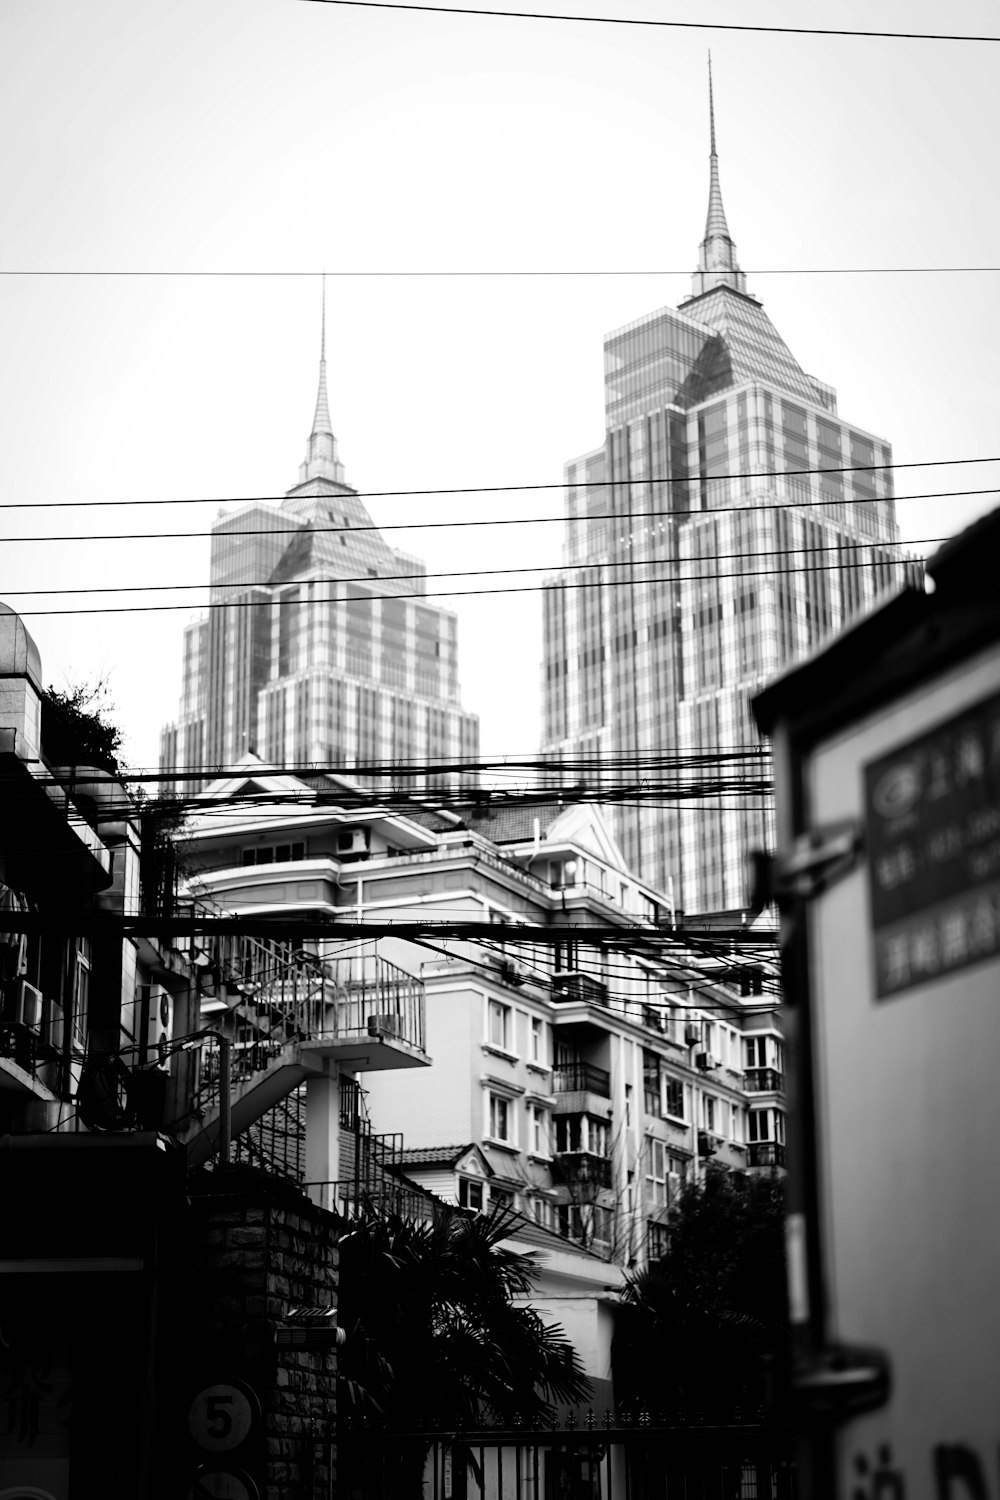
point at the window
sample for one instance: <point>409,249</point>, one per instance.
<point>652,1083</point>
<point>470,1195</point>
<point>499,1027</point>
<point>657,1241</point>
<point>274,854</point>
<point>675,1099</point>
<point>708,1111</point>
<point>541,1212</point>
<point>656,1173</point>
<point>81,991</point>
<point>502,1198</point>
<point>756,1052</point>
<point>581,1133</point>
<point>501,1118</point>
<point>536,1040</point>
<point>538,1135</point>
<point>766,1125</point>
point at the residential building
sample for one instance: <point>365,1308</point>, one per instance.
<point>318,646</point>
<point>90,1191</point>
<point>578,1077</point>
<point>75,847</point>
<point>729,522</point>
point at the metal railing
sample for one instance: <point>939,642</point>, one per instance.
<point>277,994</point>
<point>575,1077</point>
<point>763,1081</point>
<point>575,985</point>
<point>584,1168</point>
<point>766,1154</point>
<point>587,1457</point>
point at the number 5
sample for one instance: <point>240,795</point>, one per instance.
<point>215,1411</point>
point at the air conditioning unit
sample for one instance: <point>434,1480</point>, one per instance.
<point>55,1028</point>
<point>707,1144</point>
<point>161,1019</point>
<point>510,973</point>
<point>692,1034</point>
<point>26,1007</point>
<point>352,841</point>
<point>655,1019</point>
<point>705,1061</point>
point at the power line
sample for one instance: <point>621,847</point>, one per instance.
<point>529,588</point>
<point>154,588</point>
<point>460,273</point>
<point>442,765</point>
<point>537,15</point>
<point>508,489</point>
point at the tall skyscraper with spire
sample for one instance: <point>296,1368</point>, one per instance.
<point>704,550</point>
<point>317,646</point>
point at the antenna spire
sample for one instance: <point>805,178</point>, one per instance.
<point>321,461</point>
<point>717,263</point>
<point>711,104</point>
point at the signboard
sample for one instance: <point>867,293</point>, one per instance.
<point>908,1109</point>
<point>223,1484</point>
<point>933,819</point>
<point>221,1417</point>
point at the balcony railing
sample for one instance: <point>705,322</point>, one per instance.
<point>573,984</point>
<point>277,995</point>
<point>763,1081</point>
<point>766,1154</point>
<point>583,1168</point>
<point>577,1077</point>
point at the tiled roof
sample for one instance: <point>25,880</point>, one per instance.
<point>511,825</point>
<point>425,1156</point>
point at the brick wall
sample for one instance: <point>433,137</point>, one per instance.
<point>259,1247</point>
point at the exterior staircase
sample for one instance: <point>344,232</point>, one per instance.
<point>284,1012</point>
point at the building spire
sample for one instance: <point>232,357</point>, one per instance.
<point>717,263</point>
<point>321,461</point>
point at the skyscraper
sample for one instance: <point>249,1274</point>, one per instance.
<point>703,552</point>
<point>316,646</point>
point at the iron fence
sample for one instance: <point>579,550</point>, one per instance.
<point>592,1460</point>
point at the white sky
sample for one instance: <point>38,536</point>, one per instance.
<point>273,135</point>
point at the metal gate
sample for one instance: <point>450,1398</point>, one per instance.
<point>596,1461</point>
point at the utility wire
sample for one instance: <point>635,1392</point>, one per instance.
<point>577,567</point>
<point>529,588</point>
<point>541,15</point>
<point>531,271</point>
<point>507,489</point>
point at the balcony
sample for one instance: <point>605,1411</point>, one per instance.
<point>575,985</point>
<point>583,1169</point>
<point>581,1077</point>
<point>763,1081</point>
<point>766,1154</point>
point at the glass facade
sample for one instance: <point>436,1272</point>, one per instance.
<point>702,554</point>
<point>318,648</point>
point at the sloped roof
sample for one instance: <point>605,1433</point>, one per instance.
<point>503,824</point>
<point>527,1232</point>
<point>435,1156</point>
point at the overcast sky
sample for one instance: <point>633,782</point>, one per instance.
<point>272,136</point>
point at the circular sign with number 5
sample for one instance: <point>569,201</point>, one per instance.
<point>221,1417</point>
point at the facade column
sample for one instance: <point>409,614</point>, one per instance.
<point>323,1133</point>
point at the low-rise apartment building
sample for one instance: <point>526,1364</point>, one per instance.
<point>583,1068</point>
